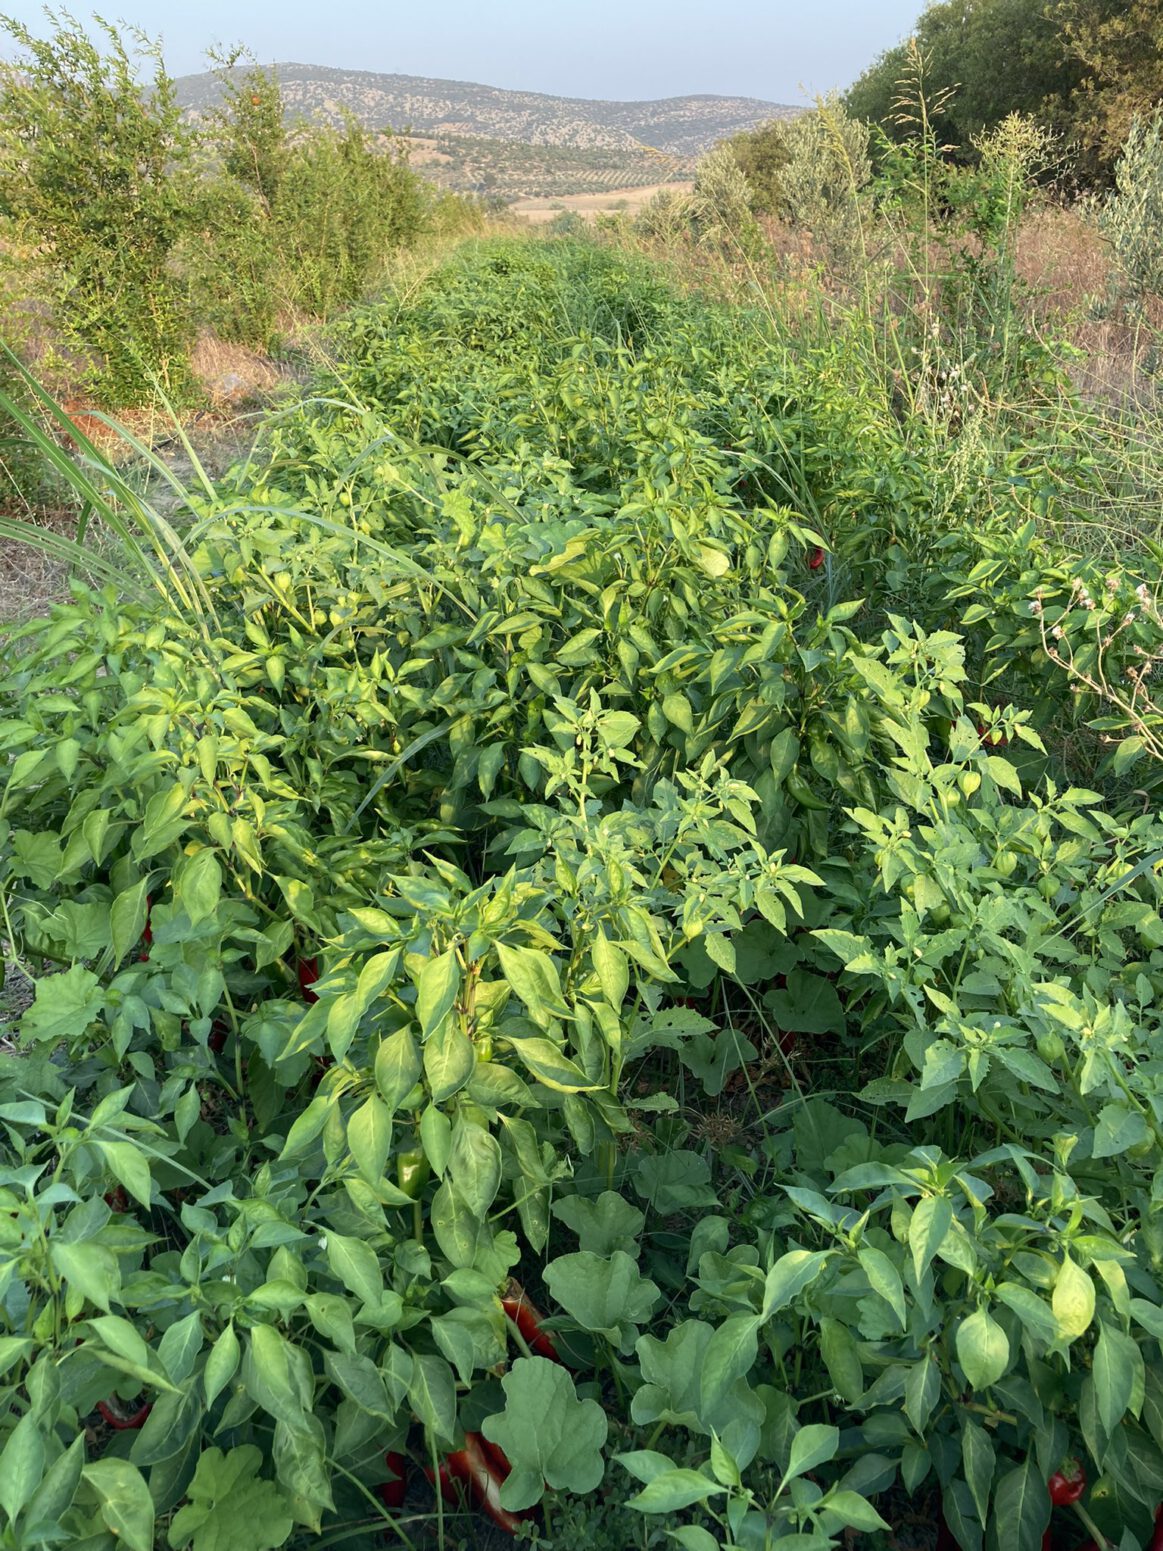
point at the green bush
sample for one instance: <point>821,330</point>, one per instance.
<point>95,176</point>
<point>520,834</point>
<point>1132,219</point>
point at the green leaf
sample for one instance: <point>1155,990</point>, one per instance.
<point>809,1005</point>
<point>607,1296</point>
<point>474,1165</point>
<point>90,1268</point>
<point>604,1225</point>
<point>230,1508</point>
<point>398,1067</point>
<point>221,1365</point>
<point>788,1277</point>
<point>125,1504</point>
<point>728,1357</point>
<point>533,976</point>
<point>885,1279</point>
<point>436,990</point>
<point>55,1494</point>
<point>856,1511</point>
<point>355,1264</point>
<point>369,1137</point>
<point>127,918</point>
<point>674,1489</point>
<point>674,1181</point>
<point>812,1445</point>
<point>927,1229</point>
<point>64,1006</point>
<point>922,1392</point>
<point>842,1359</point>
<point>551,1066</point>
<point>129,1166</point>
<point>1118,1129</point>
<point>980,1459</point>
<point>432,1391</point>
<point>613,969</point>
<point>1022,1505</point>
<point>449,1061</point>
<point>21,1465</point>
<point>1117,1372</point>
<point>1073,1299</point>
<point>198,886</point>
<point>549,1436</point>
<point>983,1349</point>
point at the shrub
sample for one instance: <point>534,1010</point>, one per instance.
<point>1132,219</point>
<point>820,185</point>
<point>721,202</point>
<point>468,858</point>
<point>95,172</point>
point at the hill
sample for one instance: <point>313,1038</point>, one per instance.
<point>578,137</point>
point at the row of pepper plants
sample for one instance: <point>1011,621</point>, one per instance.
<point>525,749</point>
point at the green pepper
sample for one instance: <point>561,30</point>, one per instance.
<point>801,792</point>
<point>412,1173</point>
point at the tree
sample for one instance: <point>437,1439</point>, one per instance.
<point>1119,47</point>
<point>985,59</point>
<point>1085,68</point>
<point>761,154</point>
<point>94,173</point>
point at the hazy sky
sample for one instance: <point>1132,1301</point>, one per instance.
<point>777,49</point>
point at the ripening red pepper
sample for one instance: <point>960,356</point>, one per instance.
<point>481,1473</point>
<point>124,1423</point>
<point>1067,1484</point>
<point>528,1318</point>
<point>815,558</point>
<point>392,1492</point>
<point>308,974</point>
<point>116,1199</point>
<point>448,1489</point>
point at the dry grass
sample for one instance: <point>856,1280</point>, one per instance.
<point>625,201</point>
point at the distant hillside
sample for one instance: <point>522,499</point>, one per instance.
<point>617,135</point>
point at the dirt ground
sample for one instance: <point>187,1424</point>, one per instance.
<point>626,200</point>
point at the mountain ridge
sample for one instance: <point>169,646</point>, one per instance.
<point>681,127</point>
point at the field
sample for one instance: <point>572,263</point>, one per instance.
<point>581,870</point>
<point>629,201</point>
<point>583,801</point>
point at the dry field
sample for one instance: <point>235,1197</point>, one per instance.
<point>625,200</point>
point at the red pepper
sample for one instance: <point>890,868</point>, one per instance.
<point>482,1476</point>
<point>815,558</point>
<point>527,1318</point>
<point>147,933</point>
<point>1067,1484</point>
<point>447,1485</point>
<point>308,975</point>
<point>116,1199</point>
<point>392,1492</point>
<point>1157,1537</point>
<point>217,1040</point>
<point>124,1423</point>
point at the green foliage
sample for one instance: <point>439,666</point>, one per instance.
<point>1132,219</point>
<point>821,182</point>
<point>761,154</point>
<point>1083,68</point>
<point>94,176</point>
<point>569,715</point>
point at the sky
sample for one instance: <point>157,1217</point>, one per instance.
<point>781,50</point>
